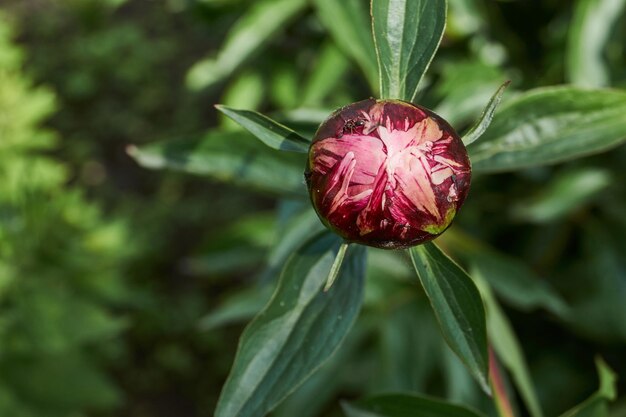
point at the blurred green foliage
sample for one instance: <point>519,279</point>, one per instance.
<point>60,275</point>
<point>123,291</point>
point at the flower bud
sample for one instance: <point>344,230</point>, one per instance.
<point>387,173</point>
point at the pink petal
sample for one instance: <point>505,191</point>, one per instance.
<point>414,184</point>
<point>367,150</point>
<point>371,215</point>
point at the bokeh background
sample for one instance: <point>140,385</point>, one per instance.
<point>123,290</point>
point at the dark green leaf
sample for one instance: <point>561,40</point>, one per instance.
<point>67,381</point>
<point>597,305</point>
<point>405,405</point>
<point>297,331</point>
<point>457,306</point>
<point>406,34</point>
<point>327,383</point>
<point>550,125</point>
<point>516,283</point>
<point>234,157</point>
<point>511,278</point>
<point>272,133</point>
<point>410,345</point>
<point>596,405</point>
<point>485,119</point>
<point>349,24</point>
<point>247,37</point>
<point>590,29</point>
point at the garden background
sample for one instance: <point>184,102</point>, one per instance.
<point>123,290</point>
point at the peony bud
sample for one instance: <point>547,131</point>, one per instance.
<point>387,173</point>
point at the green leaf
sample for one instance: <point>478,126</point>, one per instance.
<point>460,386</point>
<point>405,405</point>
<point>510,278</point>
<point>465,18</point>
<point>596,405</point>
<point>550,125</point>
<point>247,90</point>
<point>336,266</point>
<point>330,380</point>
<point>485,119</point>
<point>272,133</point>
<point>62,382</point>
<point>326,76</point>
<point>296,230</point>
<point>507,346</point>
<point>568,192</point>
<point>241,306</point>
<point>597,306</point>
<point>348,23</point>
<point>233,157</point>
<point>285,90</point>
<point>457,306</point>
<point>516,283</point>
<point>464,87</point>
<point>407,34</point>
<point>410,343</point>
<point>247,37</point>
<point>590,30</point>
<point>297,331</point>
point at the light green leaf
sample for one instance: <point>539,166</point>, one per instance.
<point>348,23</point>
<point>457,306</point>
<point>329,70</point>
<point>503,339</point>
<point>464,87</point>
<point>247,90</point>
<point>485,119</point>
<point>596,405</point>
<point>405,405</point>
<point>550,125</point>
<point>272,133</point>
<point>566,193</point>
<point>407,34</point>
<point>297,331</point>
<point>465,17</point>
<point>239,307</point>
<point>248,36</point>
<point>234,157</point>
<point>590,30</point>
<point>285,85</point>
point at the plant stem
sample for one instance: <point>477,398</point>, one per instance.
<point>334,269</point>
<point>499,391</point>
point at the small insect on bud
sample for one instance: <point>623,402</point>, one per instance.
<point>387,173</point>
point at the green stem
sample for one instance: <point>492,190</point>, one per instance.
<point>334,270</point>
